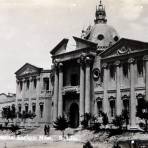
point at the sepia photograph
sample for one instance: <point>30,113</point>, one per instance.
<point>74,74</point>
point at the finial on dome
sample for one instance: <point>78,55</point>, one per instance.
<point>100,14</point>
<point>100,2</point>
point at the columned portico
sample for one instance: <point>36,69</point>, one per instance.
<point>82,88</point>
<point>87,85</point>
<point>146,77</point>
<point>132,95</point>
<point>118,94</point>
<point>55,111</point>
<point>60,101</point>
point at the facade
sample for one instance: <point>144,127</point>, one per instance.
<point>6,100</point>
<point>34,93</point>
<point>103,73</point>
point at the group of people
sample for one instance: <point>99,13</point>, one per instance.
<point>46,130</point>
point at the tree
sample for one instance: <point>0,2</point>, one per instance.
<point>85,122</point>
<point>26,115</point>
<point>61,124</point>
<point>9,112</point>
<point>118,122</point>
<point>104,118</point>
<point>142,112</point>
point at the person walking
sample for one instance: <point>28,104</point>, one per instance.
<point>48,130</point>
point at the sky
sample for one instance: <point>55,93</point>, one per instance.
<point>29,29</point>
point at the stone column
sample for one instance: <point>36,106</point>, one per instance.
<point>82,89</point>
<point>56,84</point>
<point>23,93</point>
<point>38,91</point>
<point>145,58</point>
<point>87,85</point>
<point>132,95</point>
<point>60,101</point>
<point>118,94</point>
<point>105,99</point>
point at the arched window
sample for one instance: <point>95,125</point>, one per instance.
<point>99,105</point>
<point>26,107</point>
<point>33,107</point>
<point>41,109</point>
<point>19,108</point>
<point>112,106</point>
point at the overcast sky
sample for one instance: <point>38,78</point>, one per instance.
<point>29,29</point>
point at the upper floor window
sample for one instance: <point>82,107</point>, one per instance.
<point>140,66</point>
<point>28,84</point>
<point>112,71</point>
<point>21,85</point>
<point>125,69</point>
<point>46,83</point>
<point>74,80</point>
<point>34,83</point>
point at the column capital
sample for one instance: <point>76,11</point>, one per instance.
<point>131,61</point>
<point>88,60</point>
<point>117,63</point>
<point>38,78</point>
<point>60,66</point>
<point>104,65</point>
<point>145,58</point>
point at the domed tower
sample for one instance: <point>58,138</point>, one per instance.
<point>101,33</point>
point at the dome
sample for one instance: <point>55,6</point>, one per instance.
<point>104,35</point>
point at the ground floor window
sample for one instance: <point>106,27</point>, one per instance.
<point>99,105</point>
<point>112,108</point>
<point>26,107</point>
<point>126,105</point>
<point>33,107</point>
<point>19,108</point>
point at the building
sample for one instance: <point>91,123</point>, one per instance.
<point>6,100</point>
<point>103,73</point>
<point>34,93</point>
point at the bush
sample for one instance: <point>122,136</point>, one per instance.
<point>87,145</point>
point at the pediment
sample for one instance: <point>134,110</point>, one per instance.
<point>124,47</point>
<point>28,69</point>
<point>60,47</point>
<point>81,43</point>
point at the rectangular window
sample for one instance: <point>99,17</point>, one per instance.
<point>34,83</point>
<point>21,85</point>
<point>99,104</point>
<point>112,108</point>
<point>33,107</point>
<point>41,109</point>
<point>28,84</point>
<point>112,71</point>
<point>125,69</point>
<point>46,83</point>
<point>19,108</point>
<point>140,67</point>
<point>26,107</point>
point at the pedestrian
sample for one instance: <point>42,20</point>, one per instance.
<point>45,130</point>
<point>48,130</point>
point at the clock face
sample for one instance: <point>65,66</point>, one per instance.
<point>96,74</point>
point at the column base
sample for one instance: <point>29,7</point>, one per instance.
<point>134,128</point>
